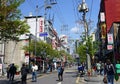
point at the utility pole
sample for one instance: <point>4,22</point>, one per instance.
<point>36,28</point>
<point>47,5</point>
<point>84,9</point>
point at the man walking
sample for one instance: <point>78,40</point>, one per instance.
<point>60,72</point>
<point>12,72</point>
<point>24,72</point>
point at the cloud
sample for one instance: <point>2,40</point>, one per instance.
<point>75,30</point>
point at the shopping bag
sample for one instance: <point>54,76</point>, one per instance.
<point>105,79</point>
<point>116,76</point>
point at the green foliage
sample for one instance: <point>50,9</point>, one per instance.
<point>89,47</point>
<point>17,67</point>
<point>81,50</point>
<point>44,49</point>
<point>70,58</point>
<point>11,27</point>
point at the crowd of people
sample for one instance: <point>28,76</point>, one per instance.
<point>106,69</point>
<point>24,70</point>
<point>12,69</point>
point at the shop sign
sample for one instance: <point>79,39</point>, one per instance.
<point>109,47</point>
<point>110,38</point>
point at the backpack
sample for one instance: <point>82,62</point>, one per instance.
<point>110,68</point>
<point>24,71</point>
<point>61,69</point>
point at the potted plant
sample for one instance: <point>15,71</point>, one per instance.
<point>17,70</point>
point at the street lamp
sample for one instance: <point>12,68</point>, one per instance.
<point>84,9</point>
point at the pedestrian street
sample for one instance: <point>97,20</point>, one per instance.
<point>69,77</point>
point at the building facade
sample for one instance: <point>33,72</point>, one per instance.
<point>108,18</point>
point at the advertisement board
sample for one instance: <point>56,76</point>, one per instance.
<point>110,38</point>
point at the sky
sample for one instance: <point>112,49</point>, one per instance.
<point>65,15</point>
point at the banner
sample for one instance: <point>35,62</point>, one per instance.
<point>103,30</point>
<point>41,25</point>
<point>110,38</point>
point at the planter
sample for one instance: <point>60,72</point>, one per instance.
<point>17,73</point>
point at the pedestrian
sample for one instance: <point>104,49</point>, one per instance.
<point>8,68</point>
<point>12,72</point>
<point>79,68</point>
<point>34,72</point>
<point>24,72</point>
<point>60,72</point>
<point>83,68</point>
<point>102,69</point>
<point>109,71</point>
<point>98,65</point>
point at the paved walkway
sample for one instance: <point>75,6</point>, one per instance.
<point>17,79</point>
<point>98,79</point>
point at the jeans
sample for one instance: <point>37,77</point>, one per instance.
<point>34,76</point>
<point>11,77</point>
<point>110,79</point>
<point>60,76</point>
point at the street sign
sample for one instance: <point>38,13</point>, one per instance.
<point>110,38</point>
<point>26,59</point>
<point>109,47</point>
<point>0,69</point>
<point>117,68</point>
<point>43,34</point>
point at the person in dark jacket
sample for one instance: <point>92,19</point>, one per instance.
<point>109,71</point>
<point>24,72</point>
<point>12,72</point>
<point>60,72</point>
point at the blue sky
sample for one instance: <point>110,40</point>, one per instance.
<point>65,15</point>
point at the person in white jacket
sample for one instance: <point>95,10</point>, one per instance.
<point>34,72</point>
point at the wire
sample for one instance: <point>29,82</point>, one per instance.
<point>59,14</point>
<point>91,10</point>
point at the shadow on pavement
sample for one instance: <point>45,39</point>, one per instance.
<point>9,82</point>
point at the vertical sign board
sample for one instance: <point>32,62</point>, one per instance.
<point>110,41</point>
<point>27,56</point>
<point>41,25</point>
<point>102,17</point>
<point>117,68</point>
<point>103,30</point>
<point>109,47</point>
<point>110,38</point>
<point>0,69</point>
<point>27,59</point>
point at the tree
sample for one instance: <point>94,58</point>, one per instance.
<point>45,50</point>
<point>87,46</point>
<point>42,49</point>
<point>11,27</point>
<point>81,50</point>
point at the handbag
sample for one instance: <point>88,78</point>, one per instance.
<point>105,79</point>
<point>116,76</point>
